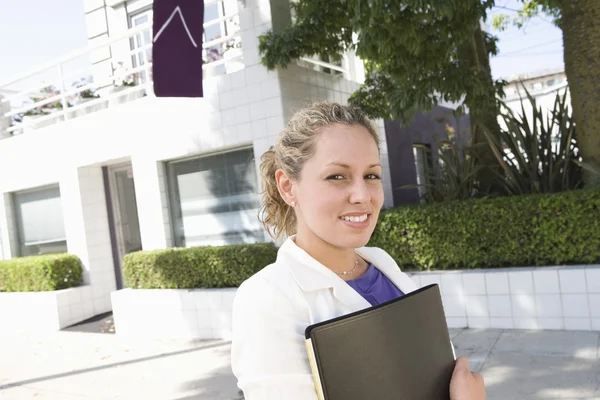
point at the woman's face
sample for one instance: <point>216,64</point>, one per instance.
<point>339,193</point>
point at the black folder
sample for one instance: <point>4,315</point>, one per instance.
<point>398,350</point>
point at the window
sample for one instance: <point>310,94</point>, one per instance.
<point>326,58</point>
<point>423,164</point>
<point>39,220</point>
<point>141,40</point>
<point>323,58</point>
<point>216,27</point>
<point>215,200</point>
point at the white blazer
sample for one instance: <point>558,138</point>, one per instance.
<point>272,309</point>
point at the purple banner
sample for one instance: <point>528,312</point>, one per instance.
<point>177,49</point>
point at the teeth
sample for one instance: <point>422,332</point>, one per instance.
<point>362,218</point>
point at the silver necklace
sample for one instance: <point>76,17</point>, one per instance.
<point>351,271</point>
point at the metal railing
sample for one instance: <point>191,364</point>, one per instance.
<point>127,76</point>
<point>130,77</point>
<point>325,65</point>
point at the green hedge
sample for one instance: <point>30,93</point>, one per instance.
<point>40,273</point>
<point>196,267</point>
<point>535,230</point>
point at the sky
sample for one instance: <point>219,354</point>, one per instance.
<point>35,32</point>
<point>537,46</point>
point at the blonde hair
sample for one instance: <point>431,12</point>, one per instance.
<point>294,146</point>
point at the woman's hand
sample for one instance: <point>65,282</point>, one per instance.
<point>466,385</point>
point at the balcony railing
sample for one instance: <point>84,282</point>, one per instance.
<point>125,75</point>
<point>110,72</point>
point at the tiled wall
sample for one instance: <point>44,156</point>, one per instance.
<point>86,228</point>
<point>7,240</point>
<point>164,195</point>
<point>184,314</point>
<point>75,305</point>
<point>520,298</point>
<point>5,122</point>
<point>245,108</point>
<point>151,202</point>
<point>45,311</point>
<point>566,298</point>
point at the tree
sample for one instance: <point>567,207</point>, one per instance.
<point>416,52</point>
<point>579,21</point>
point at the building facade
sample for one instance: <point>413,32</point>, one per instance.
<point>103,176</point>
<point>542,85</point>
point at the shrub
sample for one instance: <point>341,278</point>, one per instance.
<point>537,151</point>
<point>40,273</point>
<point>457,175</point>
<point>548,229</point>
<point>196,267</point>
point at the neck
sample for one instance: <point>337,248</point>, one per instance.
<point>337,259</point>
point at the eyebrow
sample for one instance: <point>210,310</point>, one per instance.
<point>348,167</point>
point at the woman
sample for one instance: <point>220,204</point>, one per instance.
<point>322,189</point>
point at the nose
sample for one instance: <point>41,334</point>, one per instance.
<point>359,192</point>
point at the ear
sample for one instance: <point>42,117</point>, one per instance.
<point>285,185</point>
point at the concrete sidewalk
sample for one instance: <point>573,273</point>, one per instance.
<point>78,365</point>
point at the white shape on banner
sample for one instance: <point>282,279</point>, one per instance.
<point>177,10</point>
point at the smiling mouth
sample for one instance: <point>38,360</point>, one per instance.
<point>358,218</point>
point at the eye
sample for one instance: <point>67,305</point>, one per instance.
<point>335,177</point>
<point>373,177</point>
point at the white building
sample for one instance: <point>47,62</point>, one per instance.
<point>542,85</point>
<point>103,177</point>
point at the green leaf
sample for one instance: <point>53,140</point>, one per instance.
<point>40,273</point>
<point>540,230</point>
<point>416,51</point>
<point>196,267</point>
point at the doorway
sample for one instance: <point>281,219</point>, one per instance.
<point>123,214</point>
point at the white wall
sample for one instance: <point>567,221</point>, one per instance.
<point>197,314</point>
<point>7,228</point>
<point>246,108</point>
<point>153,212</point>
<point>553,298</point>
<point>87,230</point>
<point>44,312</point>
<point>520,298</point>
<point>4,121</point>
<point>544,101</point>
<point>97,31</point>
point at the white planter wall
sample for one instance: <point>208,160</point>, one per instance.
<point>42,312</point>
<point>566,298</point>
<point>172,313</point>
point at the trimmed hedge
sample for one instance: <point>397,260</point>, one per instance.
<point>40,273</point>
<point>196,267</point>
<point>534,230</point>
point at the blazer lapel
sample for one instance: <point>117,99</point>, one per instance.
<point>386,264</point>
<point>311,275</point>
<point>348,296</point>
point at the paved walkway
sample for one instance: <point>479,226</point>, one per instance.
<point>81,365</point>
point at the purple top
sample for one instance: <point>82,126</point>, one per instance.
<point>375,287</point>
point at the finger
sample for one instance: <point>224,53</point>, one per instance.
<point>462,364</point>
<point>478,378</point>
